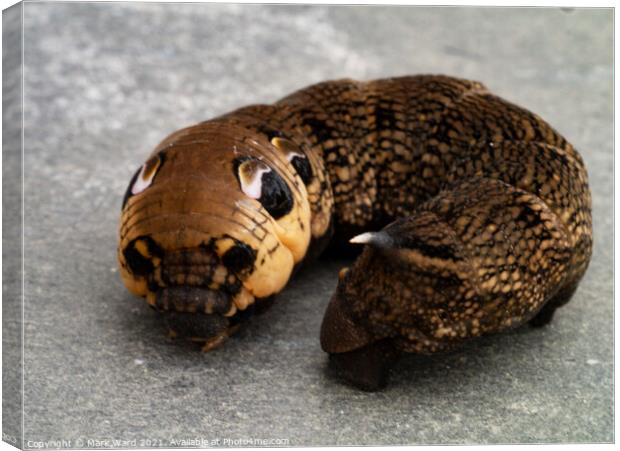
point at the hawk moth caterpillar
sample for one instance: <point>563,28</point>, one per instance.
<point>474,215</point>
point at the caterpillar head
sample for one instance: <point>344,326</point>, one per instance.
<point>210,224</point>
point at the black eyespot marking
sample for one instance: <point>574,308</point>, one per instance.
<point>239,258</point>
<point>303,168</point>
<point>270,190</point>
<point>276,196</point>
<point>138,263</point>
<point>296,156</point>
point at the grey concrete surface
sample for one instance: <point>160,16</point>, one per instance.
<point>12,225</point>
<point>105,82</point>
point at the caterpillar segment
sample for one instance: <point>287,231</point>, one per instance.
<point>473,216</point>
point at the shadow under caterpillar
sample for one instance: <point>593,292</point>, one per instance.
<point>474,213</point>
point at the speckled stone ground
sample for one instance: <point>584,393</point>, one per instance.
<point>103,83</point>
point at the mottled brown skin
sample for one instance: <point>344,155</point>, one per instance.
<point>481,213</point>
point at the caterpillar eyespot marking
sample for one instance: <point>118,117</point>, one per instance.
<point>472,216</point>
<point>147,173</point>
<point>143,178</point>
<point>296,157</point>
<point>251,177</point>
<point>258,181</point>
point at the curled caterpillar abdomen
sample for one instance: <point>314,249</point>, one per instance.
<point>475,214</point>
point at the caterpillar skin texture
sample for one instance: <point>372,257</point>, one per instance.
<point>474,213</point>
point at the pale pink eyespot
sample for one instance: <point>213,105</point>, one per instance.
<point>251,176</point>
<point>146,175</point>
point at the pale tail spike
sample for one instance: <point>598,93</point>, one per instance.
<point>380,239</point>
<point>363,238</point>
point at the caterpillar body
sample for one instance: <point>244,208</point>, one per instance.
<point>474,213</point>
